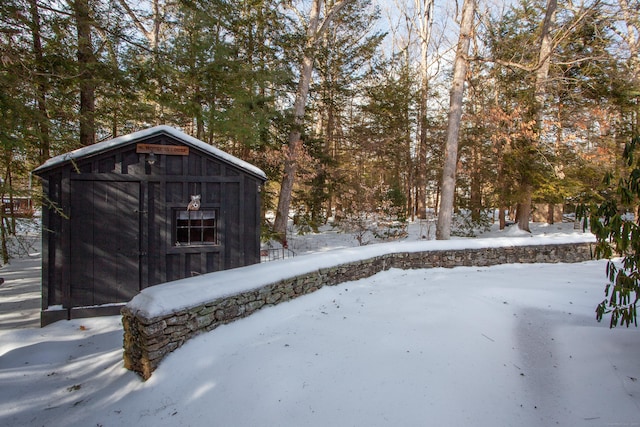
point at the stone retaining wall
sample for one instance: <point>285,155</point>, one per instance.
<point>147,340</point>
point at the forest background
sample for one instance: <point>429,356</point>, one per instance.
<point>343,103</point>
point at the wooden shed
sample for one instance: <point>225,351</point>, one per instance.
<point>139,210</point>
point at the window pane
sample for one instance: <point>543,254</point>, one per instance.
<point>182,235</point>
<point>196,227</point>
<point>209,235</point>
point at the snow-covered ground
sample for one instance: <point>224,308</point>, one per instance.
<point>512,345</point>
<point>331,238</point>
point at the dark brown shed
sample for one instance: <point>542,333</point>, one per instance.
<point>138,210</point>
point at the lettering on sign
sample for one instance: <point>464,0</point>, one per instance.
<point>171,150</point>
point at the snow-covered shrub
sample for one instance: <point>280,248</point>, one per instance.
<point>464,226</point>
<point>390,230</point>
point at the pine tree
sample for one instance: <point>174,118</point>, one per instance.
<point>344,58</point>
<point>87,64</point>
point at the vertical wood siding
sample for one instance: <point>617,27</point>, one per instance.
<point>110,229</point>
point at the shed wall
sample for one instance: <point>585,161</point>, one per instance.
<point>110,230</point>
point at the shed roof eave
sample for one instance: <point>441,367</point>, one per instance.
<point>101,147</point>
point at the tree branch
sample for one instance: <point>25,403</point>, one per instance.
<point>335,9</point>
<point>139,25</point>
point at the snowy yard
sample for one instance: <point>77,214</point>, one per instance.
<point>511,345</point>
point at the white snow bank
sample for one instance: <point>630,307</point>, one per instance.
<point>170,297</point>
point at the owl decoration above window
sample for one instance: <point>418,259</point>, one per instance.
<point>194,204</point>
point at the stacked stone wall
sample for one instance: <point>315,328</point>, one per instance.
<point>147,340</point>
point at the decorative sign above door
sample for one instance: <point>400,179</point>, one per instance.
<point>172,150</point>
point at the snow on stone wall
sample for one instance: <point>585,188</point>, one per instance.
<point>149,338</point>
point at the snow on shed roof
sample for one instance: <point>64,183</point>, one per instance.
<point>135,136</point>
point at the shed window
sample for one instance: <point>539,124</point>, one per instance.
<point>197,227</point>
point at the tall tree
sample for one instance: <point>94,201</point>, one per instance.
<point>384,134</point>
<point>545,51</point>
<point>629,12</point>
<point>41,79</point>
<point>477,155</point>
<point>155,22</point>
<point>445,215</point>
<point>317,24</point>
<point>527,80</point>
<point>345,58</point>
<point>86,71</point>
<point>425,13</point>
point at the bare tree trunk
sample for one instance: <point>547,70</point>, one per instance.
<point>426,20</point>
<point>3,240</point>
<point>6,185</point>
<point>551,208</point>
<point>523,209</point>
<point>86,66</point>
<point>631,18</point>
<point>475,202</point>
<point>41,89</point>
<point>502,186</point>
<point>544,61</point>
<point>315,30</point>
<point>295,147</point>
<point>443,230</point>
<point>153,35</point>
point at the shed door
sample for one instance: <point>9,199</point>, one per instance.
<point>105,242</point>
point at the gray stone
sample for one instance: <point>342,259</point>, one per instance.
<point>147,341</point>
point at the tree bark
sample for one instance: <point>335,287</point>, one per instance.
<point>443,230</point>
<point>294,148</point>
<point>153,35</point>
<point>41,87</point>
<point>631,18</point>
<point>426,20</point>
<point>86,68</point>
<point>316,28</point>
<point>475,187</point>
<point>542,73</point>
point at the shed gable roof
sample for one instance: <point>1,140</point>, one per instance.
<point>120,141</point>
